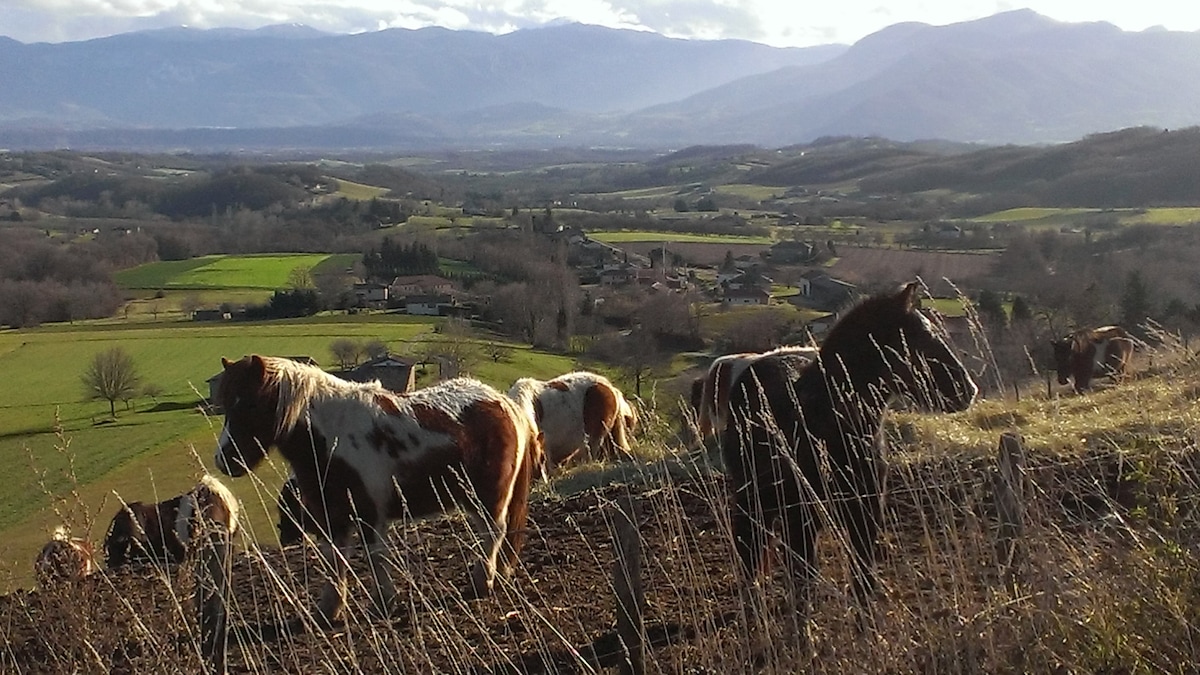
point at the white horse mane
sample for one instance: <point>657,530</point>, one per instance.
<point>299,385</point>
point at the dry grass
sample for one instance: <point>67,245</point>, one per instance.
<point>1110,581</point>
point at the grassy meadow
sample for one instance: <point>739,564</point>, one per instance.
<point>627,236</point>
<point>62,443</point>
<point>68,448</point>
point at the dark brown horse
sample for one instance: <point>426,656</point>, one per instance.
<point>162,533</point>
<point>802,444</point>
<point>363,455</point>
<point>1098,352</point>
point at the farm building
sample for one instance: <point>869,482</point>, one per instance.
<point>393,372</point>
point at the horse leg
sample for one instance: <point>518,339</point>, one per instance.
<point>490,526</point>
<point>750,543</point>
<point>518,513</point>
<point>375,542</point>
<point>861,517</point>
<point>333,594</point>
<point>800,528</point>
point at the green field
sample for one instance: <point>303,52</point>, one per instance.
<point>748,191</point>
<point>157,447</point>
<point>626,236</point>
<point>352,190</point>
<point>1153,216</point>
<point>265,272</point>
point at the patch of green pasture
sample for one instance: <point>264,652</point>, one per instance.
<point>252,271</point>
<point>158,274</point>
<point>1164,216</point>
<point>459,267</point>
<point>359,191</point>
<point>748,191</point>
<point>268,272</point>
<point>628,236</point>
<point>336,263</point>
<point>1026,213</point>
<point>174,357</point>
<point>658,192</point>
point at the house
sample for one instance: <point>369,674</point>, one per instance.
<point>214,382</point>
<point>419,284</point>
<point>790,252</point>
<point>746,295</point>
<point>617,275</point>
<point>821,291</point>
<point>371,295</point>
<point>428,305</point>
<point>393,372</point>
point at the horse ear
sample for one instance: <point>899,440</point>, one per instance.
<point>910,296</point>
<point>225,363</point>
<point>260,366</point>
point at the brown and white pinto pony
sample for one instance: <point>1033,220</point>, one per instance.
<point>710,391</point>
<point>1084,354</point>
<point>64,559</point>
<point>577,412</point>
<point>164,533</point>
<point>364,455</point>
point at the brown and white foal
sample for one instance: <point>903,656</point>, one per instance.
<point>577,411</point>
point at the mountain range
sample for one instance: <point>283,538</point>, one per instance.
<point>1015,77</point>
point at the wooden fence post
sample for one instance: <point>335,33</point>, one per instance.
<point>212,593</point>
<point>1008,489</point>
<point>627,583</point>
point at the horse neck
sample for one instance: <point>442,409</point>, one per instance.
<point>832,401</point>
<point>854,378</point>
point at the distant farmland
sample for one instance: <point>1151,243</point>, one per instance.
<point>859,265</point>
<point>265,272</point>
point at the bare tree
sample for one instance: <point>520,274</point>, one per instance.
<point>301,277</point>
<point>346,352</point>
<point>376,348</point>
<point>111,376</point>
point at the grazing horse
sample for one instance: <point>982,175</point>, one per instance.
<point>710,392</point>
<point>803,441</point>
<point>577,411</point>
<point>64,559</point>
<point>363,454</point>
<point>1085,354</point>
<point>163,533</point>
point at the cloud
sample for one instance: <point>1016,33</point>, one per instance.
<point>778,22</point>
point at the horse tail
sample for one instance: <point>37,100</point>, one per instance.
<point>620,431</point>
<point>518,505</point>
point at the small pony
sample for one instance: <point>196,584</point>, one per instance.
<point>710,392</point>
<point>803,440</point>
<point>1084,354</point>
<point>363,454</point>
<point>163,533</point>
<point>576,411</point>
<point>64,559</point>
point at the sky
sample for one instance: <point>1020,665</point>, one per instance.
<point>781,23</point>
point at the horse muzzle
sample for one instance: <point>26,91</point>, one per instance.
<point>229,461</point>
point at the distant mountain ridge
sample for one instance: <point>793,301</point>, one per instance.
<point>290,76</point>
<point>1015,77</point>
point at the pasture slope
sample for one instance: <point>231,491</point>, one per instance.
<point>1106,578</point>
<point>70,461</point>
